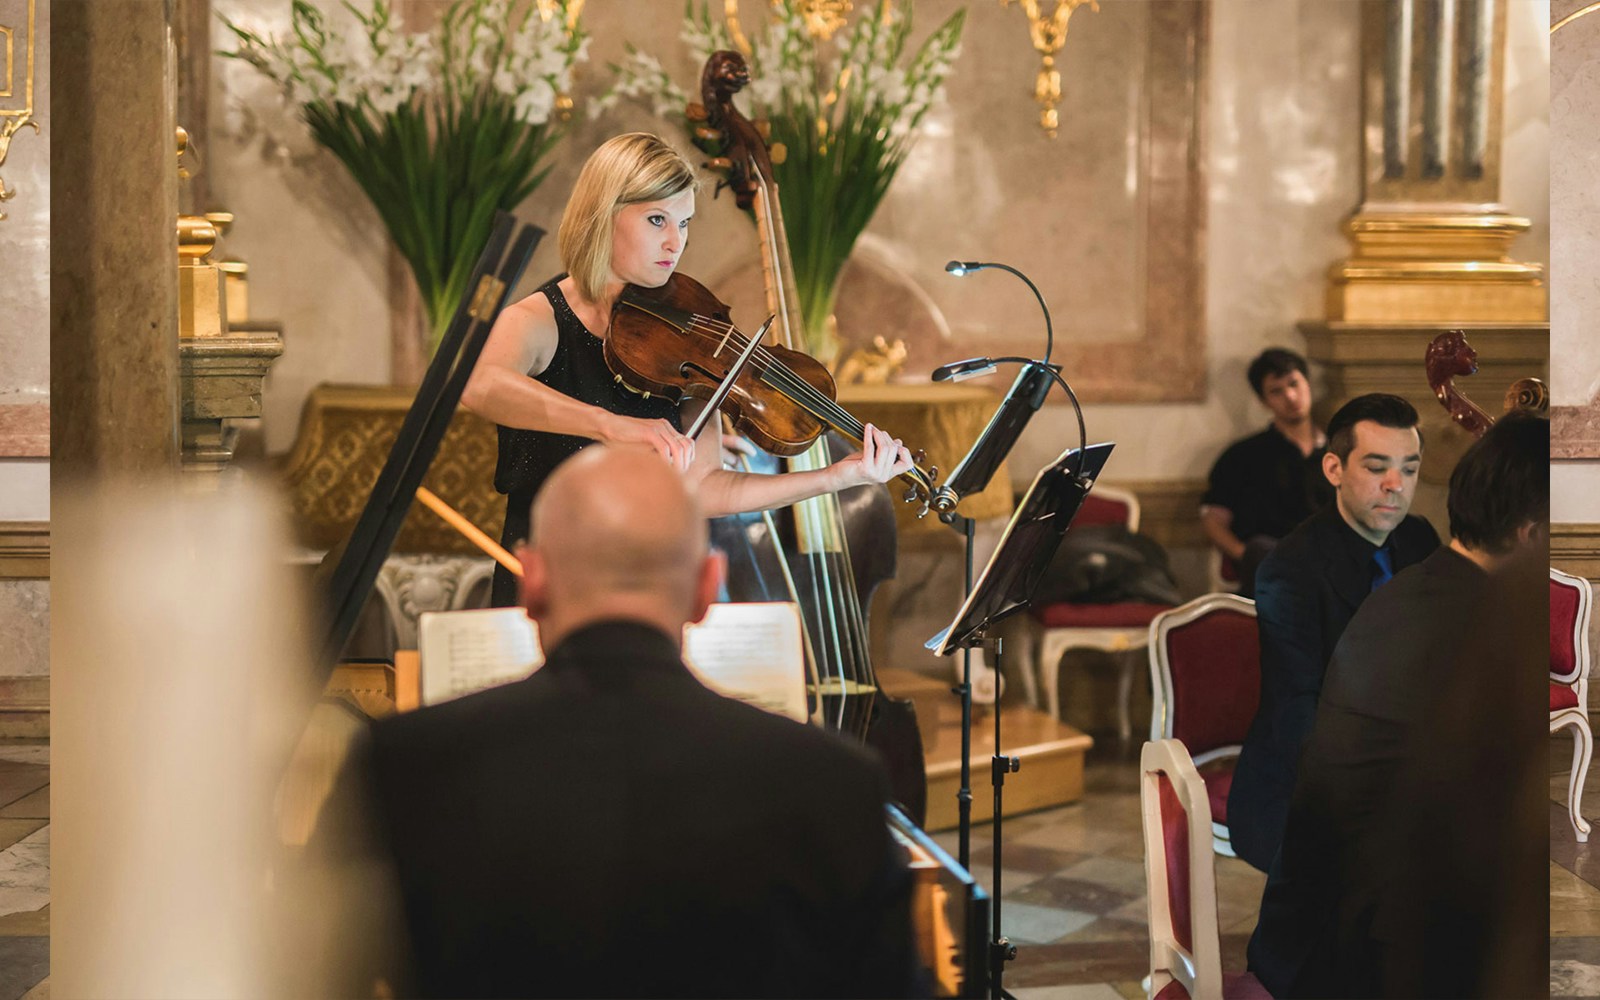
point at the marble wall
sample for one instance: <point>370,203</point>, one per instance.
<point>1278,148</point>
<point>25,281</point>
<point>1574,247</point>
<point>25,341</point>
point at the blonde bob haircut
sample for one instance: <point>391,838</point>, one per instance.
<point>625,170</point>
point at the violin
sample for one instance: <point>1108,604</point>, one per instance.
<point>678,341</point>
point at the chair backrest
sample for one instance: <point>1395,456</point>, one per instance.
<point>1571,599</point>
<point>1182,887</point>
<point>1205,673</point>
<point>1108,505</point>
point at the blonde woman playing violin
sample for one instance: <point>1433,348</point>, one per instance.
<point>543,378</point>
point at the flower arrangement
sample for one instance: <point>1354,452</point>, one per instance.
<point>439,128</point>
<point>845,109</point>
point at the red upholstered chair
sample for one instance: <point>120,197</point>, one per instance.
<point>1185,951</point>
<point>1570,601</point>
<point>1115,628</point>
<point>1205,680</point>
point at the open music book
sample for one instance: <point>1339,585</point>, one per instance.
<point>751,652</point>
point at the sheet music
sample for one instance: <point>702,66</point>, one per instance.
<point>751,652</point>
<point>466,651</point>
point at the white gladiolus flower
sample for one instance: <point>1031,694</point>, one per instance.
<point>534,104</point>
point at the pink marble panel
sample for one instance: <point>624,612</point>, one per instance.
<point>25,430</point>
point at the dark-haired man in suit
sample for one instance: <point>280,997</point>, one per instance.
<point>609,826</point>
<point>1308,589</point>
<point>1406,869</point>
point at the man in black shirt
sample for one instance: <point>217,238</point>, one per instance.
<point>1308,589</point>
<point>1267,483</point>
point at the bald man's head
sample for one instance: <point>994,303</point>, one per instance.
<point>613,530</point>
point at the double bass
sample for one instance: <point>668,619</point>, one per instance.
<point>839,546</point>
<point>1449,356</point>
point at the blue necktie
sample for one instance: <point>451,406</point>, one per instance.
<point>1382,567</point>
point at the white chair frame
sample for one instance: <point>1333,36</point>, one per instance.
<point>1050,644</point>
<point>1161,696</point>
<point>1199,970</point>
<point>1577,716</point>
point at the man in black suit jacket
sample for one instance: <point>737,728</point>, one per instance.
<point>611,827</point>
<point>1374,893</point>
<point>1308,588</point>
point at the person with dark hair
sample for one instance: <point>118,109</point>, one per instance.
<point>609,826</point>
<point>1371,895</point>
<point>1308,588</point>
<point>1265,484</point>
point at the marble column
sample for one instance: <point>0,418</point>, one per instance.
<point>114,254</point>
<point>1430,240</point>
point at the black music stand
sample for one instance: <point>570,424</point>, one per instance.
<point>1006,587</point>
<point>348,571</point>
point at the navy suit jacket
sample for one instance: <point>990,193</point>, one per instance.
<point>1307,590</point>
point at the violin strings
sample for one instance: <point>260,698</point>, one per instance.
<point>795,387</point>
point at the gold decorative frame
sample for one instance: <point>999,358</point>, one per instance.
<point>13,120</point>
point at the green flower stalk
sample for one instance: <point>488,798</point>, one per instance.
<point>440,129</point>
<point>846,109</point>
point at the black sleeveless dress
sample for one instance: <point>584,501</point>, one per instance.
<point>577,369</point>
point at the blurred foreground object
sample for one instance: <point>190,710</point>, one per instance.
<point>181,682</point>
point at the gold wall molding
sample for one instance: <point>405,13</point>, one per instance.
<point>1575,548</point>
<point>24,708</point>
<point>24,550</point>
<point>16,109</point>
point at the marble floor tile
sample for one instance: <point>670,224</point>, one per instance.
<point>1025,857</point>
<point>1010,881</point>
<point>1078,837</point>
<point>24,961</point>
<point>1134,909</point>
<point>1024,923</point>
<point>1079,962</point>
<point>1082,991</point>
<point>1120,874</point>
<point>13,830</point>
<point>20,780</point>
<point>1570,978</point>
<point>25,874</point>
<point>35,805</point>
<point>1071,893</point>
<point>30,752</point>
<point>1111,929</point>
<point>27,922</point>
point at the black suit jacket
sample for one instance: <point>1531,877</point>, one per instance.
<point>610,827</point>
<point>1307,590</point>
<point>1320,932</point>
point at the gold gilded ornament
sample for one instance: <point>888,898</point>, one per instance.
<point>1049,34</point>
